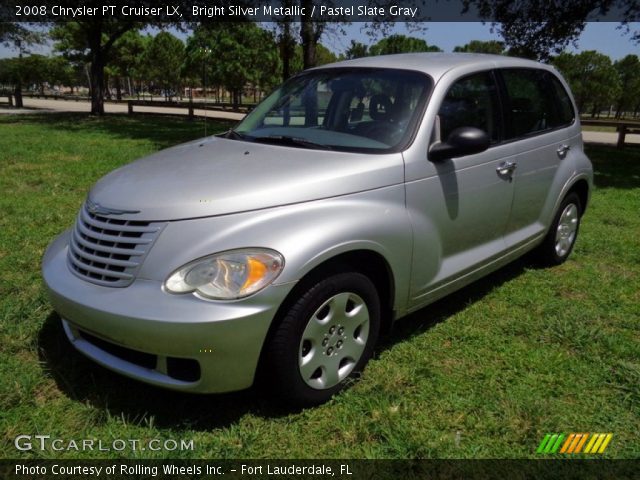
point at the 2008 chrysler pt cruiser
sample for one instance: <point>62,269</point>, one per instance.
<point>356,193</point>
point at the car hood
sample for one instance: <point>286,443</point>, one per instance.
<point>217,176</point>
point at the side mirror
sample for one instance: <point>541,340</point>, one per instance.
<point>462,141</point>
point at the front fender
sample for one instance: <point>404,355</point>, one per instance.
<point>306,234</point>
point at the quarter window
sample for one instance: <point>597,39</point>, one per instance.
<point>563,103</point>
<point>471,102</point>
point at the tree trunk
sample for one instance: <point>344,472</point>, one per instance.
<point>17,93</point>
<point>307,35</point>
<point>118,89</point>
<point>97,82</point>
<point>287,49</point>
<point>107,88</point>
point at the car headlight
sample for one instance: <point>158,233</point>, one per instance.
<point>227,275</point>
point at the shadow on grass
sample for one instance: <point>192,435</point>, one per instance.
<point>426,318</point>
<point>613,167</point>
<point>163,130</point>
<point>83,380</point>
<point>135,402</point>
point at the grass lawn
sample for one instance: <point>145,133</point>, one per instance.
<point>598,128</point>
<point>484,373</point>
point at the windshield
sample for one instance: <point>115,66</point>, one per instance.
<point>372,110</point>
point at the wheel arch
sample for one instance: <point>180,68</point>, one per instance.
<point>367,262</point>
<point>581,188</point>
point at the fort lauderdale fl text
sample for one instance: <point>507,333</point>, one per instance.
<point>168,469</point>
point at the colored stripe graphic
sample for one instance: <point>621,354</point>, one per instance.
<point>605,443</point>
<point>581,443</point>
<point>567,443</point>
<point>543,443</point>
<point>573,443</point>
<point>550,443</point>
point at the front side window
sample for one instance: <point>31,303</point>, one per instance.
<point>471,102</point>
<point>374,110</point>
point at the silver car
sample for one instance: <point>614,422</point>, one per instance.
<point>353,195</point>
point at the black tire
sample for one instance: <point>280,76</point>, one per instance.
<point>551,252</point>
<point>285,353</point>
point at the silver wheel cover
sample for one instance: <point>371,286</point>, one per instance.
<point>333,340</point>
<point>566,231</point>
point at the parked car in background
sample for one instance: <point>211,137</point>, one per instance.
<point>355,194</point>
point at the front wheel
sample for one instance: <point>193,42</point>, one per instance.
<point>562,235</point>
<point>325,337</point>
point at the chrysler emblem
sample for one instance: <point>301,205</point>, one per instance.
<point>97,209</point>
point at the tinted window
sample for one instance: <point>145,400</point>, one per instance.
<point>564,107</point>
<point>533,104</point>
<point>471,102</point>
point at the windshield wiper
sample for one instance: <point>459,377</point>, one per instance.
<point>291,141</point>
<point>231,133</point>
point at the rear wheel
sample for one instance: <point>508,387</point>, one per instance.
<point>563,233</point>
<point>325,337</point>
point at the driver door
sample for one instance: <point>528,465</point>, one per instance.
<point>461,208</point>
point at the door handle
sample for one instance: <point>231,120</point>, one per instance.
<point>563,150</point>
<point>506,168</point>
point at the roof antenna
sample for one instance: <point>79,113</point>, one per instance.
<point>207,51</point>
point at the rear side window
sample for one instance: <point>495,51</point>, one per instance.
<point>536,102</point>
<point>471,102</point>
<point>564,107</point>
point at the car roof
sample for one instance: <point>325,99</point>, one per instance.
<point>436,64</point>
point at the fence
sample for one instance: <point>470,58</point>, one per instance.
<point>190,106</point>
<point>622,127</point>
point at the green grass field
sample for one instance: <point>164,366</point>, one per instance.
<point>484,373</point>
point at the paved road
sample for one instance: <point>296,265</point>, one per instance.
<point>607,137</point>
<point>71,106</point>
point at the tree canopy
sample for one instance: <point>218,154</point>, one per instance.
<point>593,79</point>
<point>478,46</point>
<point>401,44</point>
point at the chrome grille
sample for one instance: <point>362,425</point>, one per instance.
<point>108,250</point>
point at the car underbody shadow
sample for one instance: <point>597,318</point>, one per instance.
<point>428,317</point>
<point>83,380</point>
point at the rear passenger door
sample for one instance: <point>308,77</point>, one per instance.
<point>537,115</point>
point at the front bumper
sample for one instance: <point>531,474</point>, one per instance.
<point>143,332</point>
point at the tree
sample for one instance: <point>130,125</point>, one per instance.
<point>628,70</point>
<point>401,44</point>
<point>478,46</point>
<point>35,71</point>
<point>92,41</point>
<point>15,35</point>
<point>593,80</point>
<point>356,50</point>
<point>163,58</point>
<point>540,28</point>
<point>127,60</point>
<point>233,55</point>
<point>310,33</point>
<point>60,72</point>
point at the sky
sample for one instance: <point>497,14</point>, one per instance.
<point>605,37</point>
